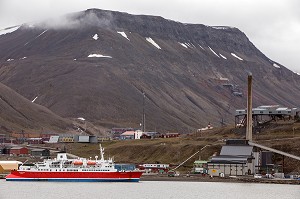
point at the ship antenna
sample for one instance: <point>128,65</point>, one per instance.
<point>24,162</point>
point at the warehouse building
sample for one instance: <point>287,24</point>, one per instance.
<point>87,139</point>
<point>236,158</point>
<point>40,152</point>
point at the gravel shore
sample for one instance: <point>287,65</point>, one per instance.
<point>199,178</point>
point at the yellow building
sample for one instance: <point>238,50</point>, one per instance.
<point>7,166</point>
<point>66,139</point>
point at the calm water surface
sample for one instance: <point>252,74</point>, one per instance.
<point>144,189</point>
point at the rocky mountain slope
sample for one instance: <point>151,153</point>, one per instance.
<point>18,113</point>
<point>96,64</point>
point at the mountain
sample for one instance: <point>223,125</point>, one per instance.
<point>97,64</point>
<point>18,113</point>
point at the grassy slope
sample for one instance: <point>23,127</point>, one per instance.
<point>176,150</point>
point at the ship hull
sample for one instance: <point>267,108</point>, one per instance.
<point>130,176</point>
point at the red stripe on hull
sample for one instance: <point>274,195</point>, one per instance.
<point>77,175</point>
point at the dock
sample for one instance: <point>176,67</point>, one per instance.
<point>2,176</point>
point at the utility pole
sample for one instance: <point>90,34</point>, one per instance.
<point>144,116</point>
<point>249,110</point>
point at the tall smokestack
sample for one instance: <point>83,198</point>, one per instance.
<point>249,110</point>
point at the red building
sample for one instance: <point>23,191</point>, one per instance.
<point>145,136</point>
<point>35,140</point>
<point>18,151</point>
<point>170,135</point>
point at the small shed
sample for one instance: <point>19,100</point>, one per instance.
<point>18,151</point>
<point>1,149</point>
<point>93,139</point>
<point>53,139</point>
<point>6,150</point>
<point>145,136</point>
<point>40,152</point>
<point>150,135</point>
<point>200,166</point>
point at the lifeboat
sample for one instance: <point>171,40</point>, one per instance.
<point>78,162</point>
<point>91,162</point>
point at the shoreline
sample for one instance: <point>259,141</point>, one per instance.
<point>199,178</point>
<point>196,178</point>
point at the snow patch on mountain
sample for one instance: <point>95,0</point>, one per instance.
<point>183,45</point>
<point>95,37</point>
<point>41,34</point>
<point>189,45</point>
<point>234,55</point>
<point>221,27</point>
<point>34,99</point>
<point>99,56</point>
<point>222,56</point>
<point>124,35</point>
<point>150,40</point>
<point>201,47</point>
<point>81,118</point>
<point>276,65</point>
<point>213,52</point>
<point>36,37</point>
<point>9,30</point>
<point>193,45</point>
<point>31,25</point>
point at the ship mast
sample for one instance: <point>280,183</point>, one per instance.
<point>101,152</point>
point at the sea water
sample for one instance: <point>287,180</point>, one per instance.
<point>146,189</point>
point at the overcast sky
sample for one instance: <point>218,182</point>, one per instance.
<point>272,25</point>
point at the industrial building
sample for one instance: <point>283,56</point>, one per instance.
<point>73,138</point>
<point>40,152</point>
<point>236,158</point>
<point>154,168</point>
<point>245,157</point>
<point>86,139</point>
<point>264,114</point>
